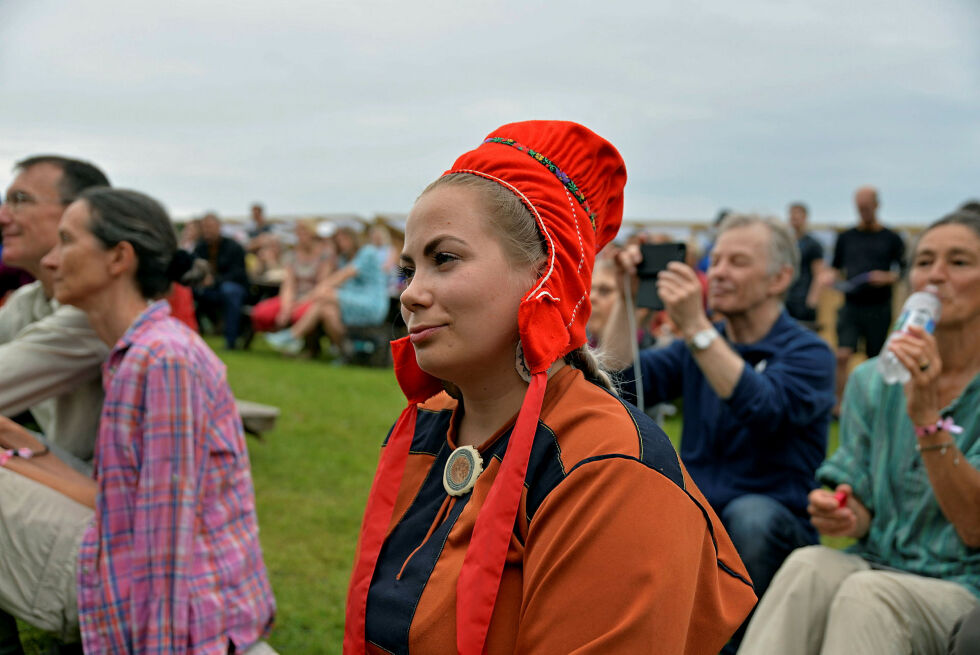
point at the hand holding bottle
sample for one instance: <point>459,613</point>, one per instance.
<point>918,353</point>
<point>921,310</point>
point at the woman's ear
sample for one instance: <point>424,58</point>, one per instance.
<point>122,258</point>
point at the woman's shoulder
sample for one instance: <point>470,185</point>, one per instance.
<point>168,342</point>
<point>590,424</point>
<point>591,443</point>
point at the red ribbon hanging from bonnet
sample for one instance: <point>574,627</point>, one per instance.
<point>571,180</point>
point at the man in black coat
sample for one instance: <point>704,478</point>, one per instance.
<point>224,288</point>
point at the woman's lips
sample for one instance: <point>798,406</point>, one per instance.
<point>421,334</point>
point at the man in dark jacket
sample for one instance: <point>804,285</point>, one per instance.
<point>757,388</point>
<point>224,288</point>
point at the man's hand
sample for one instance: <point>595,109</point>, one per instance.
<point>681,291</point>
<point>828,277</point>
<point>628,259</point>
<point>882,278</point>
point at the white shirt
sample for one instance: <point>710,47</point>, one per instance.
<point>50,360</point>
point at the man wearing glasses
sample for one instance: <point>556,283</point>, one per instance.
<point>49,355</point>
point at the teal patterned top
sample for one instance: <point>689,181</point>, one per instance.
<point>877,457</point>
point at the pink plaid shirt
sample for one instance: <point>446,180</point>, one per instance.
<point>172,562</point>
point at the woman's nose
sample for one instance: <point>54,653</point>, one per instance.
<point>938,271</point>
<point>50,260</point>
<point>414,295</point>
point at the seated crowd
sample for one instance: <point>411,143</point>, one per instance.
<point>329,279</point>
<point>127,520</point>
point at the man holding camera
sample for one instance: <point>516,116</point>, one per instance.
<point>757,388</point>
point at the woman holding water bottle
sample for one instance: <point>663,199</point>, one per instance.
<point>904,482</point>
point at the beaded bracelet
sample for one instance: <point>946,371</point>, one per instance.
<point>941,447</point>
<point>23,453</point>
<point>942,424</point>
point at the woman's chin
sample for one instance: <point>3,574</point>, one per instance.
<point>431,365</point>
<point>62,296</point>
<point>65,298</point>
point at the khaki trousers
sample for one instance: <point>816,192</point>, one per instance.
<point>40,534</point>
<point>826,602</point>
<point>41,531</point>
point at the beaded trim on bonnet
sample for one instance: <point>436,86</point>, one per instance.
<point>567,181</point>
<point>582,170</point>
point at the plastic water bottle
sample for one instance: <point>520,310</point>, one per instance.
<point>922,310</point>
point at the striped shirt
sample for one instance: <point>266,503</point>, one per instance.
<point>877,458</point>
<point>171,562</point>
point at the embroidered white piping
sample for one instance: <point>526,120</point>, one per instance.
<point>551,262</point>
<point>581,258</point>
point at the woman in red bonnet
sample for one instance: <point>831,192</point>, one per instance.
<point>519,505</point>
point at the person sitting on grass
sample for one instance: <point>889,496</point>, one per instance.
<point>305,266</point>
<point>225,287</point>
<point>160,552</point>
<point>356,294</point>
<point>907,487</point>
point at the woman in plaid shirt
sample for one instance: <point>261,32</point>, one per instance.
<point>169,560</point>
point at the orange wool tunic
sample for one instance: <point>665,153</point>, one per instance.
<point>614,550</point>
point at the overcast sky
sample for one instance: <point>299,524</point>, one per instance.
<point>354,106</point>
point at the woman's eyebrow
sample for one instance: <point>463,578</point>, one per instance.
<point>952,252</point>
<point>432,246</point>
<point>437,242</point>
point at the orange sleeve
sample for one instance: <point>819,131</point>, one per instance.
<point>619,559</point>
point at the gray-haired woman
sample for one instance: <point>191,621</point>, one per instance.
<point>169,560</point>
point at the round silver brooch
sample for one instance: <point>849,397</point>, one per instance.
<point>462,469</point>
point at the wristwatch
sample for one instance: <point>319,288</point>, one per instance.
<point>703,339</point>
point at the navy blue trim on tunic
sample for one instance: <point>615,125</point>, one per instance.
<point>392,601</point>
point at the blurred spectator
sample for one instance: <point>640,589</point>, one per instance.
<point>259,224</point>
<point>222,293</point>
<point>380,238</point>
<point>190,235</point>
<point>757,388</point>
<point>605,286</point>
<point>51,355</point>
<point>265,265</point>
<point>305,266</point>
<point>354,295</point>
<point>181,301</point>
<point>705,260</point>
<point>801,301</point>
<point>868,260</point>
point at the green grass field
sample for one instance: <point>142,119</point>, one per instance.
<point>312,474</point>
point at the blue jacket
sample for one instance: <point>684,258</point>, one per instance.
<point>770,436</point>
